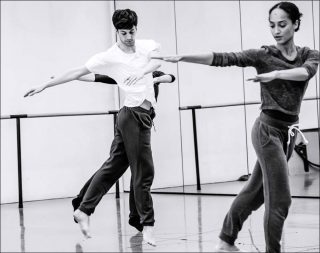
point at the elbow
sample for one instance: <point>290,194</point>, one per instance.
<point>305,75</point>
<point>76,74</point>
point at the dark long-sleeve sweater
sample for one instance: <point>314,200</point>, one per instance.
<point>281,95</point>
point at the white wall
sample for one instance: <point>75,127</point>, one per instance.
<point>40,39</point>
<point>199,30</point>
<point>43,38</point>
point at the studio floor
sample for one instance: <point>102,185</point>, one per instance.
<point>184,223</point>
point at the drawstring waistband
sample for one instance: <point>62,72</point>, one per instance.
<point>292,134</point>
<point>284,126</point>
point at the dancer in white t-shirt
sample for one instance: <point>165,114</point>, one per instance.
<point>129,63</point>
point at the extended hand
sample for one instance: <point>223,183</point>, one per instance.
<point>169,58</point>
<point>33,91</point>
<point>266,77</point>
<point>131,80</point>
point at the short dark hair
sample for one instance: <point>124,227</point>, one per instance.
<point>124,19</point>
<point>291,9</point>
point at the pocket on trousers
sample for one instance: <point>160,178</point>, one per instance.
<point>263,134</point>
<point>146,120</point>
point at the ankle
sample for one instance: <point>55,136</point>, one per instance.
<point>148,228</point>
<point>223,243</point>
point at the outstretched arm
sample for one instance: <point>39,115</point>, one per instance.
<point>296,74</point>
<point>68,76</point>
<point>86,78</point>
<point>205,58</point>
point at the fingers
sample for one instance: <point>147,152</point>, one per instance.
<point>130,80</point>
<point>172,59</point>
<point>28,93</point>
<point>254,79</point>
<point>31,93</point>
<point>157,57</point>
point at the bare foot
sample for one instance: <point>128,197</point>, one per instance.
<point>83,221</point>
<point>226,247</point>
<point>148,235</point>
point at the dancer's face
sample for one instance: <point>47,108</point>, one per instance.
<point>127,36</point>
<point>281,26</point>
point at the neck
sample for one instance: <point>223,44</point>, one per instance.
<point>127,49</point>
<point>288,48</point>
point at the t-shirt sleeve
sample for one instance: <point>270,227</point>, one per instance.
<point>149,46</point>
<point>246,58</point>
<point>311,62</point>
<point>98,64</point>
<point>153,46</point>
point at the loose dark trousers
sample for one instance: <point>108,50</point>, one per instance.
<point>130,147</point>
<point>268,184</point>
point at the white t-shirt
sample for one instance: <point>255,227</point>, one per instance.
<point>120,65</point>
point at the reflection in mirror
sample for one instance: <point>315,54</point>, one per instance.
<point>22,230</point>
<point>136,243</point>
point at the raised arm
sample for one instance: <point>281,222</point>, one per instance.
<point>68,76</point>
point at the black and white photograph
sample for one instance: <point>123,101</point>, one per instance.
<point>160,126</point>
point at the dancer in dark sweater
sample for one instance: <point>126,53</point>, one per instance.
<point>284,71</point>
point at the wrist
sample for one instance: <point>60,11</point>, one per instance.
<point>141,73</point>
<point>155,80</point>
<point>276,74</point>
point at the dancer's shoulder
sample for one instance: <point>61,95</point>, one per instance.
<point>147,45</point>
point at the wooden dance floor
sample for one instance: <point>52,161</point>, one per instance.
<point>184,223</point>
<point>301,185</point>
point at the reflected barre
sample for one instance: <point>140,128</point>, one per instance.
<point>18,118</point>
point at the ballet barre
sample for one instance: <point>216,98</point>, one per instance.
<point>193,109</point>
<point>18,118</point>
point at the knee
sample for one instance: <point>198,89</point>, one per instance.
<point>284,205</point>
<point>148,176</point>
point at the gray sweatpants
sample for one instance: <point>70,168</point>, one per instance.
<point>268,184</point>
<point>131,147</point>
